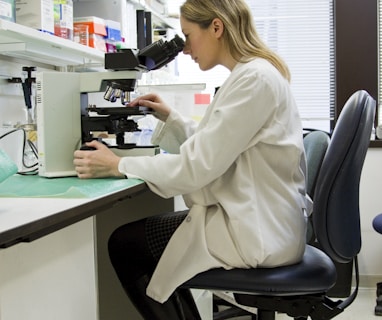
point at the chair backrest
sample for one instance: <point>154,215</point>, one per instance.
<point>336,215</point>
<point>315,144</point>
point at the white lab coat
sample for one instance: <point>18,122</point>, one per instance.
<point>241,173</point>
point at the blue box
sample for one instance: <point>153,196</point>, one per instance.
<point>113,30</point>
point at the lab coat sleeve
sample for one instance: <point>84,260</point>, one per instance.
<point>171,134</point>
<point>234,124</point>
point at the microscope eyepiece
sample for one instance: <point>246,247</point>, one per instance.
<point>160,53</point>
<point>152,57</point>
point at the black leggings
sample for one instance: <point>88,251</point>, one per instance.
<point>135,248</point>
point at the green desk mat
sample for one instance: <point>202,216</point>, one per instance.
<point>34,186</point>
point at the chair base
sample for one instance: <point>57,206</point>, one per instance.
<point>378,307</point>
<point>232,312</point>
<point>313,306</point>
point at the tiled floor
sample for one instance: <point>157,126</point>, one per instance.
<point>361,308</point>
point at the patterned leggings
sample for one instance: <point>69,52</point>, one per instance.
<point>135,248</point>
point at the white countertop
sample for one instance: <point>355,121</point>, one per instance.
<point>24,219</point>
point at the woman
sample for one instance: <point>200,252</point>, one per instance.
<point>241,171</point>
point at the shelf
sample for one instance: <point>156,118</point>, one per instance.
<point>157,17</point>
<point>23,42</point>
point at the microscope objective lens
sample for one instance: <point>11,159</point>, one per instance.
<point>108,93</point>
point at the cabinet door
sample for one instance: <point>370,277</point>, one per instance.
<point>50,278</point>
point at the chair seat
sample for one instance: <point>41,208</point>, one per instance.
<point>316,273</point>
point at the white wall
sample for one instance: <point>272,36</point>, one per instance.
<point>12,104</point>
<point>370,258</point>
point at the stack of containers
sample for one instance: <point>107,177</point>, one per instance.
<point>97,31</point>
<point>63,18</point>
<point>113,35</point>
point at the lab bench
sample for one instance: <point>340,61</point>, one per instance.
<point>53,237</point>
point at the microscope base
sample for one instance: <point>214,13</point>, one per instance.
<point>138,151</point>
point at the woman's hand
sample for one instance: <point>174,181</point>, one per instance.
<point>98,163</point>
<point>154,102</point>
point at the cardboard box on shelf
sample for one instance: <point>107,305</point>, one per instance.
<point>98,42</point>
<point>96,25</point>
<point>36,14</point>
<point>81,34</point>
<point>63,18</point>
<point>8,10</point>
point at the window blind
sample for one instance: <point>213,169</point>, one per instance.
<point>302,33</point>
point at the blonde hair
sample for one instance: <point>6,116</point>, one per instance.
<point>239,35</point>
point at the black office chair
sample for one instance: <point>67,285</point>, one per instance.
<point>316,143</point>
<point>300,290</point>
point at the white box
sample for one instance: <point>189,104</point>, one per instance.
<point>36,14</point>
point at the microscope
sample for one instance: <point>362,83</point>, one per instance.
<point>117,120</point>
<point>66,119</point>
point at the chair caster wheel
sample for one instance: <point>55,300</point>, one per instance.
<point>378,310</point>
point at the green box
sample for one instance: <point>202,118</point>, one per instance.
<point>8,10</point>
